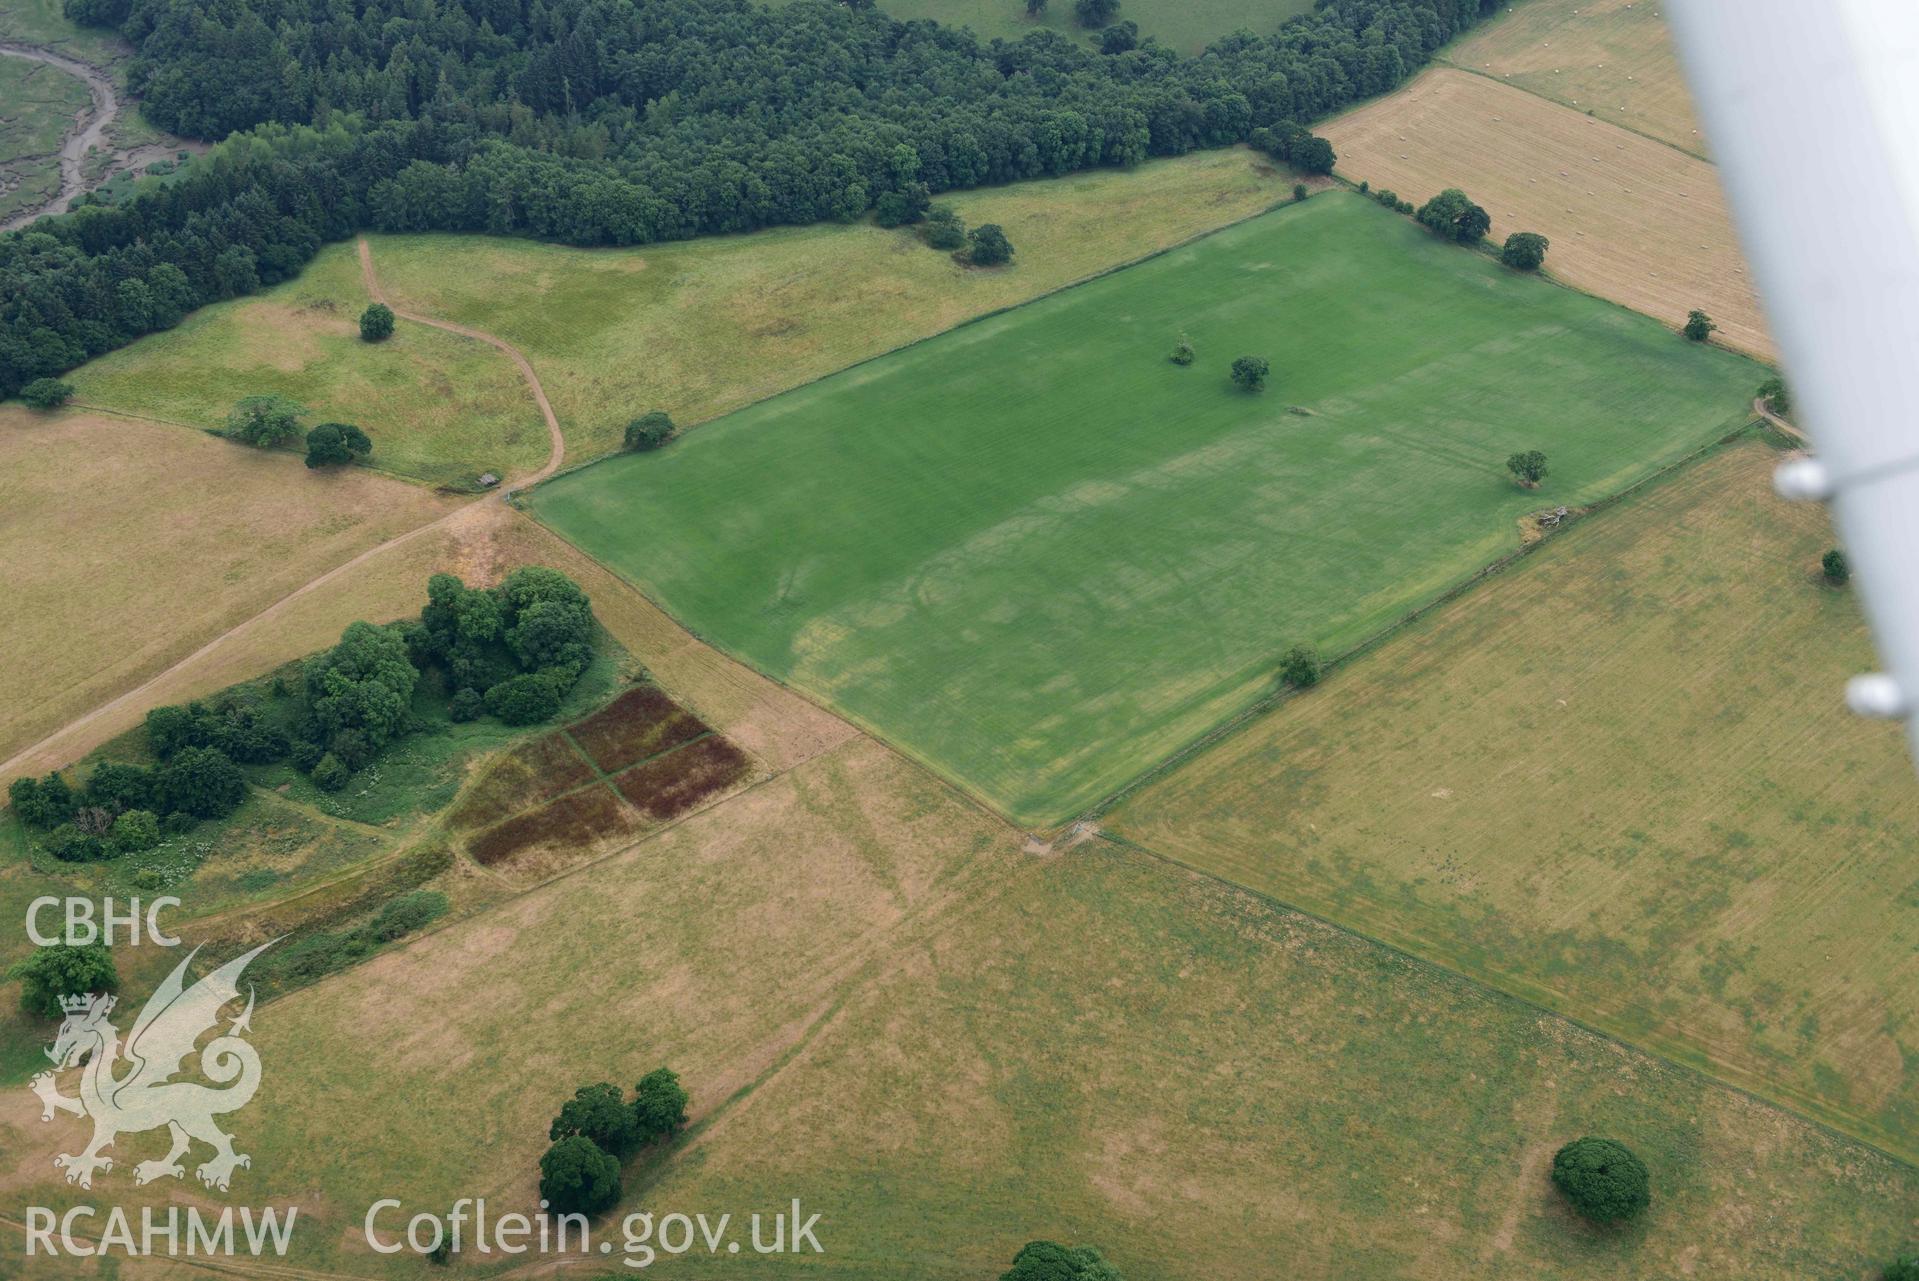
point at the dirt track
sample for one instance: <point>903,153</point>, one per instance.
<point>70,741</point>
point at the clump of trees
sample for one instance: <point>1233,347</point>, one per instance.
<point>1453,215</point>
<point>1299,667</point>
<point>265,421</point>
<point>513,651</point>
<point>1699,326</point>
<point>376,323</point>
<point>1528,467</point>
<point>945,229</point>
<point>1050,1261</point>
<point>1774,394</point>
<point>1836,568</point>
<point>332,444</point>
<point>1392,201</point>
<point>46,393</point>
<point>650,431</point>
<point>596,1129</point>
<point>988,246</point>
<point>1602,1179</point>
<point>1250,373</point>
<point>64,969</point>
<point>1291,143</point>
<point>1525,251</point>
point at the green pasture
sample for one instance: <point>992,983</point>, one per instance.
<point>1039,556</point>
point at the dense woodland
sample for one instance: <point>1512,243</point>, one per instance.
<point>616,122</point>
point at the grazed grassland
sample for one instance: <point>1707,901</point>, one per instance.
<point>706,326</point>
<point>946,1047</point>
<point>1040,555</point>
<point>1629,219</point>
<point>1614,58</point>
<point>130,544</point>
<point>1619,780</point>
<point>440,407</point>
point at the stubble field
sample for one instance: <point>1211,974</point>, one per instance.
<point>1630,220</point>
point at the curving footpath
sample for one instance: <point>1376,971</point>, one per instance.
<point>556,455</point>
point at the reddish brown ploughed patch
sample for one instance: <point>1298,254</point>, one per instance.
<point>640,723</point>
<point>581,819</point>
<point>532,772</point>
<point>675,783</point>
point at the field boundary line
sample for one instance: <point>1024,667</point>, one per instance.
<point>1829,1128</point>
<point>1440,60</point>
<point>1273,700</point>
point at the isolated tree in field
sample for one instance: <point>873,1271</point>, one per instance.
<point>1183,353</point>
<point>201,781</point>
<point>46,393</point>
<point>1299,667</point>
<point>1836,568</point>
<point>1299,192</point>
<point>265,421</point>
<point>597,1112</point>
<point>1249,373</point>
<point>1776,397</point>
<point>990,247</point>
<point>1602,1179</point>
<point>1035,8</point>
<point>1528,468</point>
<point>1453,215</point>
<point>1121,37</point>
<point>1095,13</point>
<point>577,1177</point>
<point>1525,250</point>
<point>649,431</point>
<point>1699,326</point>
<point>659,1105</point>
<point>376,323</point>
<point>63,970</point>
<point>331,444</point>
<point>1050,1261</point>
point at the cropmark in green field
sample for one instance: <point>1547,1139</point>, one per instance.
<point>1039,555</point>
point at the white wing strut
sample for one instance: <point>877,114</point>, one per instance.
<point>1812,108</point>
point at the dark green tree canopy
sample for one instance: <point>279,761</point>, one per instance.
<point>1836,568</point>
<point>1602,1179</point>
<point>1527,467</point>
<point>577,1177</point>
<point>649,431</point>
<point>659,1105</point>
<point>201,781</point>
<point>46,393</point>
<point>63,969</point>
<point>1525,250</point>
<point>599,1113</point>
<point>364,684</point>
<point>990,247</point>
<point>331,444</point>
<point>1453,215</point>
<point>1250,373</point>
<point>1299,667</point>
<point>376,322</point>
<point>1095,13</point>
<point>1049,1261</point>
<point>1699,326</point>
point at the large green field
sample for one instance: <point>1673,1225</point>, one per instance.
<point>1186,25</point>
<point>1619,781</point>
<point>1040,556</point>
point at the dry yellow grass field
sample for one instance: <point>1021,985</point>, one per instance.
<point>131,544</point>
<point>1614,58</point>
<point>1630,219</point>
<point>1619,780</point>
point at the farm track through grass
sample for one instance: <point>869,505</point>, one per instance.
<point>1039,556</point>
<point>1617,781</point>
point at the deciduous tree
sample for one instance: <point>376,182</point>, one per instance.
<point>1602,1179</point>
<point>1250,372</point>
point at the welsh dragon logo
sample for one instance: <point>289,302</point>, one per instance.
<point>125,1095</point>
